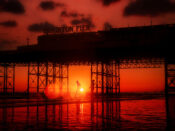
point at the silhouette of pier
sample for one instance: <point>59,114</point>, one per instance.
<point>105,51</point>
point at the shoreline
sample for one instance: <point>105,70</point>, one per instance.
<point>40,102</point>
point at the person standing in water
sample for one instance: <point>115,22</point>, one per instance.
<point>92,86</point>
<point>78,87</point>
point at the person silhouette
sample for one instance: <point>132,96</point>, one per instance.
<point>92,86</point>
<point>78,87</point>
<point>78,84</point>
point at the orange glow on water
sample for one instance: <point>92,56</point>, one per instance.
<point>99,115</point>
<point>52,91</point>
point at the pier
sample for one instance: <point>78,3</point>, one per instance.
<point>106,52</point>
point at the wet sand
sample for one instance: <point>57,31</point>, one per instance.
<point>141,113</point>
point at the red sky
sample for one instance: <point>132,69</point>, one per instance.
<point>15,20</point>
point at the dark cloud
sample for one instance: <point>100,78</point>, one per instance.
<point>108,2</point>
<point>50,5</point>
<point>149,7</point>
<point>83,21</point>
<point>11,6</point>
<point>10,23</point>
<point>70,14</point>
<point>42,27</point>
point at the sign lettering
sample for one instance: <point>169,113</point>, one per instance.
<point>71,29</point>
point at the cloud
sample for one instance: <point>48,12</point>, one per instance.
<point>50,5</point>
<point>149,7</point>
<point>11,6</point>
<point>42,27</point>
<point>70,14</point>
<point>10,23</point>
<point>78,18</point>
<point>85,21</point>
<point>108,2</point>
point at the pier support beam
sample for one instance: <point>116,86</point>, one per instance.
<point>105,78</point>
<point>41,75</point>
<point>169,79</point>
<point>7,78</point>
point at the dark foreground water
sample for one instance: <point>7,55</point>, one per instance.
<point>147,114</point>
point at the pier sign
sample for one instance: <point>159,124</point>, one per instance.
<point>71,29</point>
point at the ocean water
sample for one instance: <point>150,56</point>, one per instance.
<point>142,114</point>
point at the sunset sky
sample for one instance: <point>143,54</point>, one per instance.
<point>22,19</point>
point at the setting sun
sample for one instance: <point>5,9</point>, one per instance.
<point>81,89</point>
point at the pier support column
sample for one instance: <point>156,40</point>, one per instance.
<point>169,78</point>
<point>117,78</point>
<point>7,78</point>
<point>40,75</point>
<point>28,78</point>
<point>68,91</point>
<point>105,77</point>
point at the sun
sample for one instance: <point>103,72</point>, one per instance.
<point>81,89</point>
